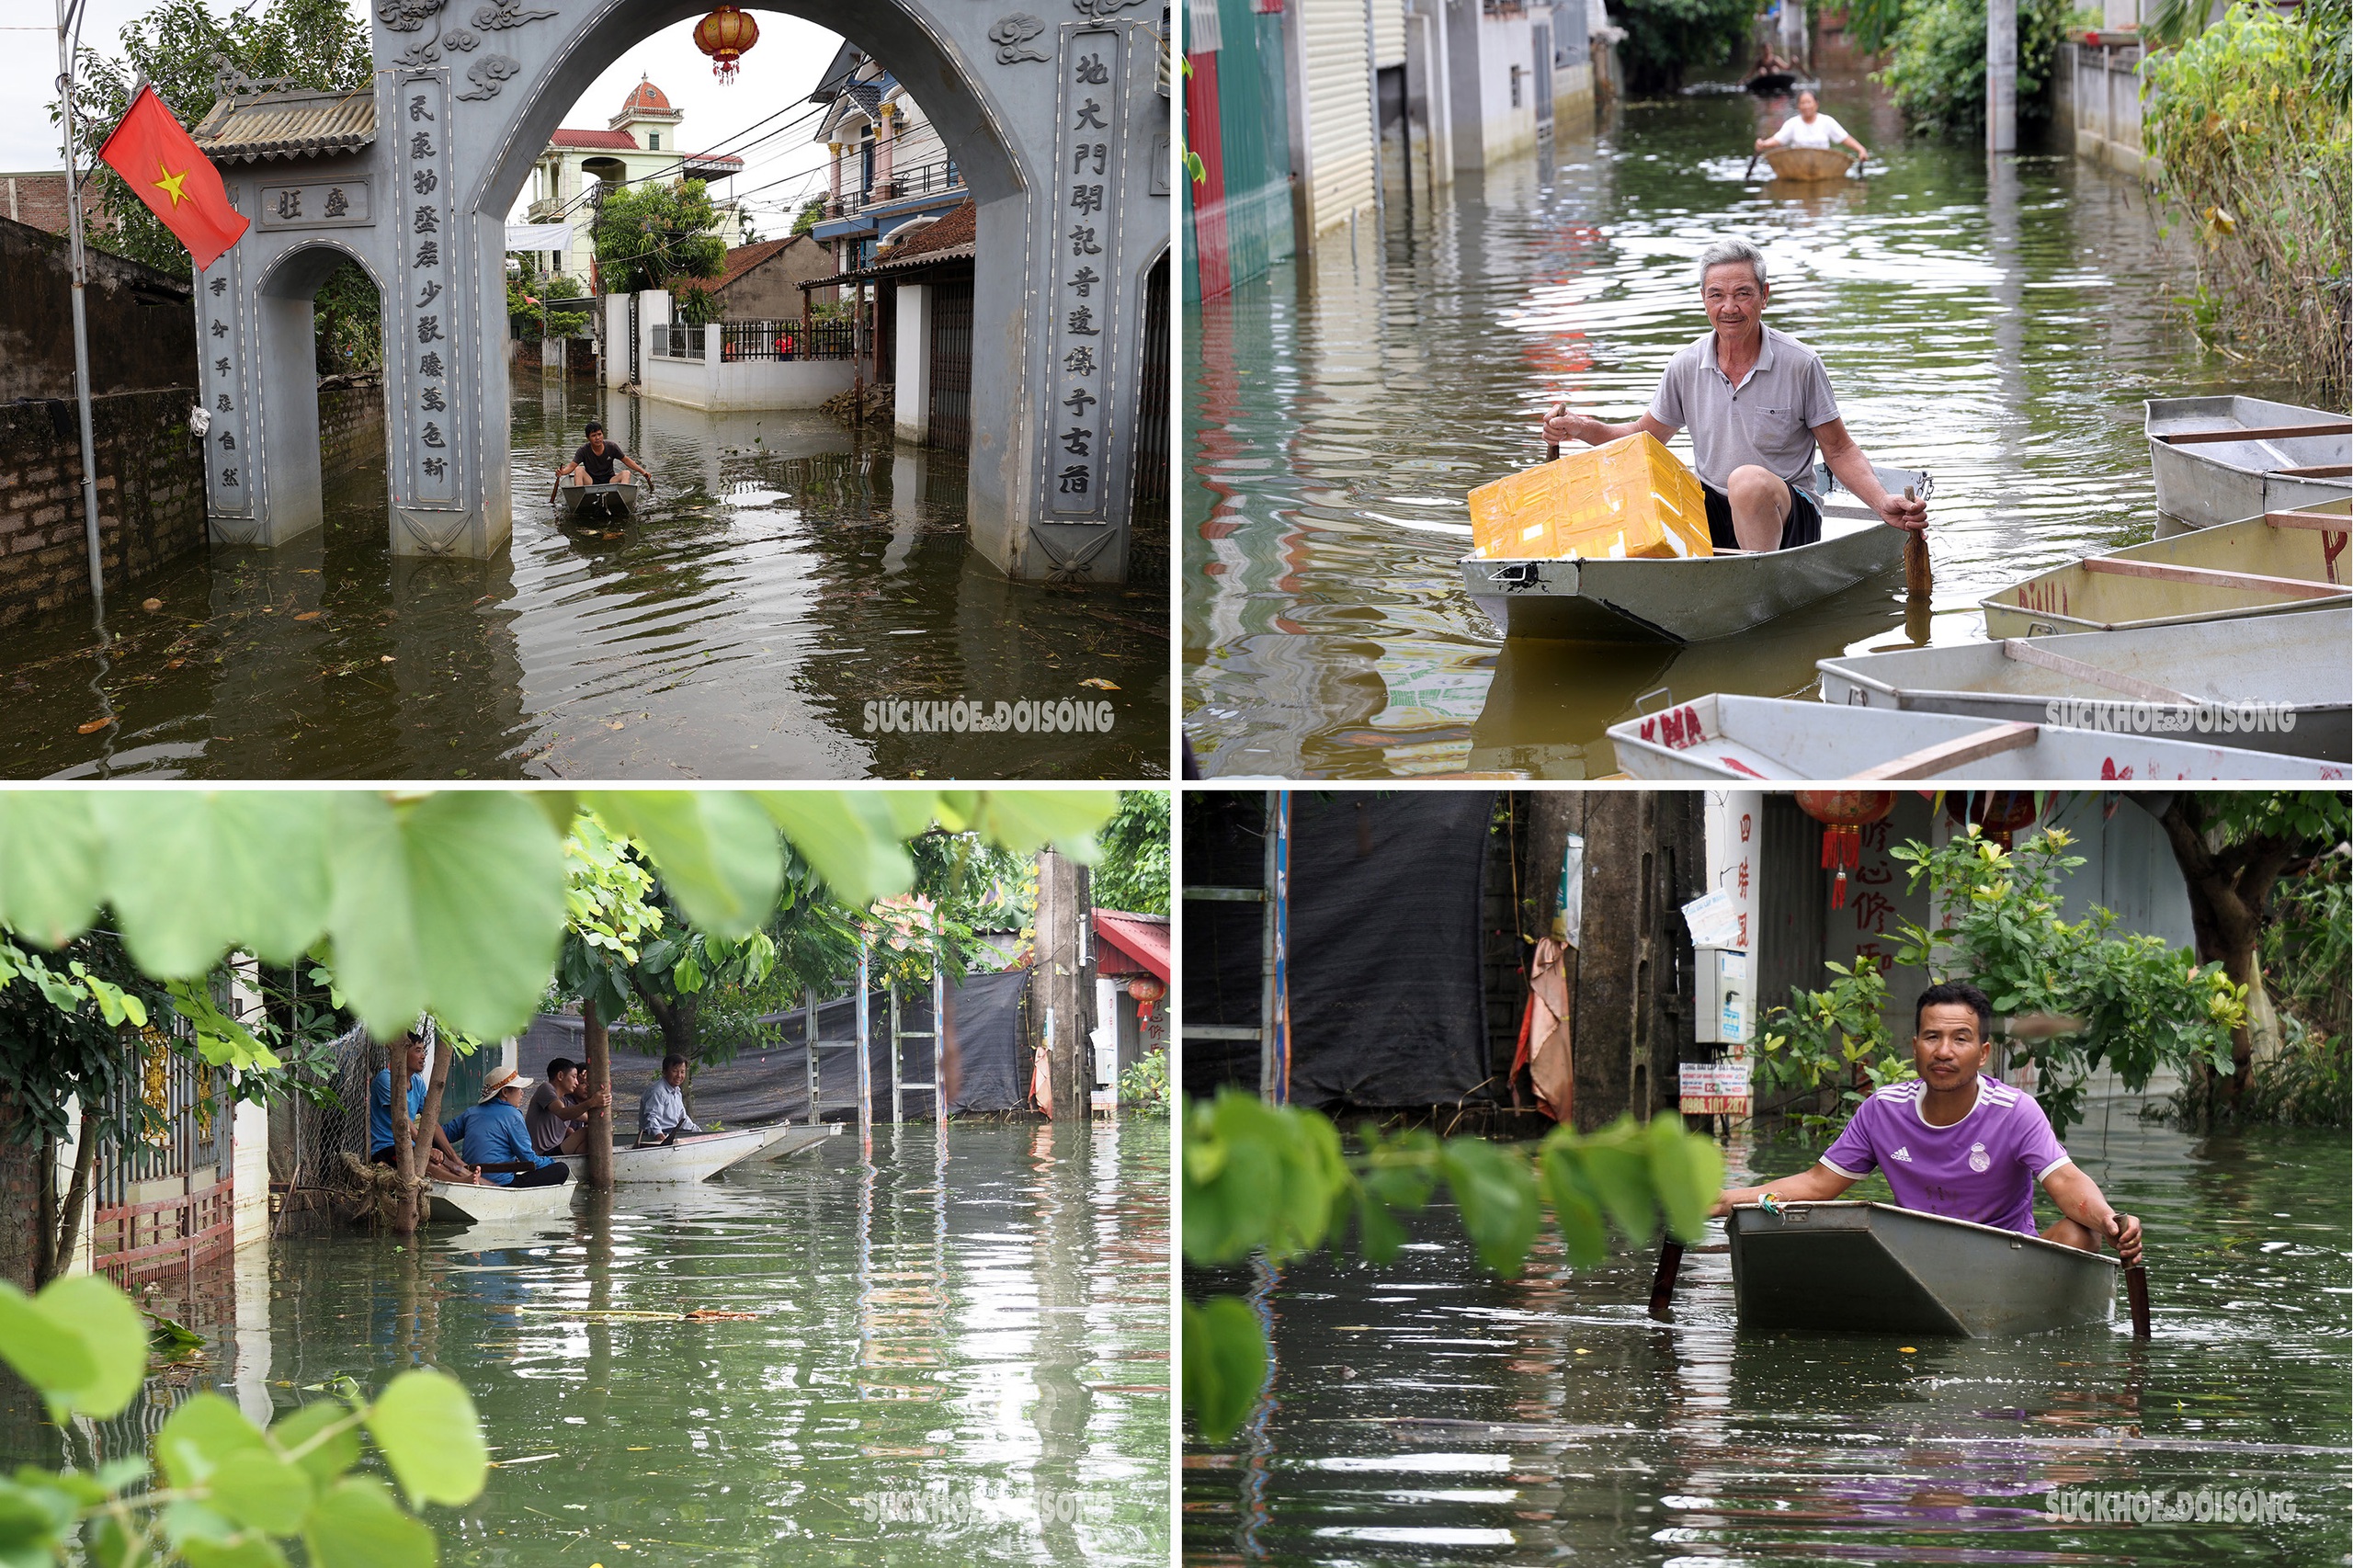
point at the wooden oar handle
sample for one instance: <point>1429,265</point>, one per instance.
<point>1670,1262</point>
<point>2136,1292</point>
<point>1552,448</point>
<point>1918,582</point>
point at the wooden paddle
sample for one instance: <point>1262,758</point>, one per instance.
<point>2136,1292</point>
<point>1749,170</point>
<point>1917,583</point>
<point>1670,1262</point>
<point>1552,448</point>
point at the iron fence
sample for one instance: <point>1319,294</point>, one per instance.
<point>787,340</point>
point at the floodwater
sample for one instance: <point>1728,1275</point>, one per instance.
<point>947,1361</point>
<point>787,572</point>
<point>1998,331</point>
<point>1427,1412</point>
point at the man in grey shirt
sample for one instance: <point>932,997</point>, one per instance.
<point>1756,403</point>
<point>661,1109</point>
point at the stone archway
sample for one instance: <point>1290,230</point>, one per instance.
<point>292,488</point>
<point>1061,130</point>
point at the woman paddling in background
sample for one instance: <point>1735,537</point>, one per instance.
<point>1811,128</point>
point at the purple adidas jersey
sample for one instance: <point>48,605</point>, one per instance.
<point>1984,1167</point>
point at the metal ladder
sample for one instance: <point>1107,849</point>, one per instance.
<point>1272,1031</point>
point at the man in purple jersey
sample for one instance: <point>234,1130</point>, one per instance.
<point>1957,1143</point>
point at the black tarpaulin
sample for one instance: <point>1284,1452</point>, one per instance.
<point>988,1010</point>
<point>1387,1006</point>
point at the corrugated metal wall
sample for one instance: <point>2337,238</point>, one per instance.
<point>1238,221</point>
<point>1388,32</point>
<point>1338,78</point>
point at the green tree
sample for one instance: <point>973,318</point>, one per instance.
<point>2232,846</point>
<point>812,213</point>
<point>1665,39</point>
<point>1937,74</point>
<point>647,234</point>
<point>1133,873</point>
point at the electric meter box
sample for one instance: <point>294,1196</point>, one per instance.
<point>1723,1009</point>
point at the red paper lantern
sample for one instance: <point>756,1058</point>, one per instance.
<point>1844,813</point>
<point>1146,989</point>
<point>726,35</point>
<point>1998,814</point>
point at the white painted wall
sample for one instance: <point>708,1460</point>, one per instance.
<point>1483,52</point>
<point>910,417</point>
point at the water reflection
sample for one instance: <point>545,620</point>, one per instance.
<point>785,572</point>
<point>1999,331</point>
<point>1426,1412</point>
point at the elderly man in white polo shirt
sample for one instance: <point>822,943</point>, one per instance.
<point>1756,401</point>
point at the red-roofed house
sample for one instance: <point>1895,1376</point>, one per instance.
<point>640,143</point>
<point>1130,955</point>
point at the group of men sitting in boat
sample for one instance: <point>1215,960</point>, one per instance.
<point>1959,1142</point>
<point>1757,403</point>
<point>507,1139</point>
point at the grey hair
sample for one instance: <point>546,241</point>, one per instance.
<point>1723,252</point>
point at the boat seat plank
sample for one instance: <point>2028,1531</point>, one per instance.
<point>1978,744</point>
<point>2326,522</point>
<point>2268,433</point>
<point>2026,651</point>
<point>2292,587</point>
<point>2320,470</point>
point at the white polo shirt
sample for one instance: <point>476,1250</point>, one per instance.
<point>1768,420</point>
<point>1825,133</point>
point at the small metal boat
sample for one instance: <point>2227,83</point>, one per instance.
<point>459,1203</point>
<point>596,501</point>
<point>692,1158</point>
<point>1722,737</point>
<point>2277,564</point>
<point>2303,661</point>
<point>1693,599</point>
<point>2218,458</point>
<point>786,1140</point>
<point>1846,1268</point>
<point>1808,164</point>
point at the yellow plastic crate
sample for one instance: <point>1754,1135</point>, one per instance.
<point>1632,498</point>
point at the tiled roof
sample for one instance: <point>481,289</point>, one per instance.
<point>643,100</point>
<point>618,140</point>
<point>952,236</point>
<point>740,259</point>
<point>710,161</point>
<point>246,127</point>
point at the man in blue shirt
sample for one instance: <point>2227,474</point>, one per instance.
<point>441,1161</point>
<point>499,1141</point>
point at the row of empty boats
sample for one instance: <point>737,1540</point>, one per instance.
<point>2221,653</point>
<point>691,1159</point>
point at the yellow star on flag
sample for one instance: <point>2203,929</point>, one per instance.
<point>170,183</point>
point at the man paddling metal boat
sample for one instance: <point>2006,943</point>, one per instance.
<point>1957,1143</point>
<point>1757,403</point>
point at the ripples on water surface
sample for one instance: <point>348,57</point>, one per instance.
<point>786,571</point>
<point>2000,334</point>
<point>1427,1414</point>
<point>950,1364</point>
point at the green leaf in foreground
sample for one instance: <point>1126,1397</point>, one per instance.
<point>1226,1365</point>
<point>425,1422</point>
<point>200,1436</point>
<point>357,1525</point>
<point>333,1456</point>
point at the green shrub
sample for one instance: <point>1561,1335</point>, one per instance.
<point>1830,1039</point>
<point>2249,126</point>
<point>1144,1085</point>
<point>1937,74</point>
<point>1666,37</point>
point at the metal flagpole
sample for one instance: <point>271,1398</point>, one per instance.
<point>69,34</point>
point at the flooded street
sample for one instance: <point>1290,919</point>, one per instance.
<point>1998,331</point>
<point>787,572</point>
<point>1427,1412</point>
<point>945,1361</point>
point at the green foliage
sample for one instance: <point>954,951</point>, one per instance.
<point>1938,71</point>
<point>61,1030</point>
<point>1666,37</point>
<point>1134,873</point>
<point>696,307</point>
<point>457,902</point>
<point>1871,23</point>
<point>229,1492</point>
<point>1144,1085</point>
<point>812,213</point>
<point>527,307</point>
<point>320,43</point>
<point>1273,1181</point>
<point>347,322</point>
<point>2250,124</point>
<point>1826,1037</point>
<point>647,234</point>
<point>2140,1005</point>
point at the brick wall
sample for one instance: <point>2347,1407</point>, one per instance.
<point>39,199</point>
<point>150,498</point>
<point>142,322</point>
<point>351,425</point>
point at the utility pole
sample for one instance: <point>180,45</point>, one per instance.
<point>69,36</point>
<point>1066,982</point>
<point>2001,77</point>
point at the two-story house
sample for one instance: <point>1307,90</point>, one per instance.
<point>640,143</point>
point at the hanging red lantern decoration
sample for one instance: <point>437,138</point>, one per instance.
<point>1844,813</point>
<point>1998,814</point>
<point>1146,989</point>
<point>726,35</point>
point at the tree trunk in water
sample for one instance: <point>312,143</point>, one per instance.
<point>2228,888</point>
<point>438,1081</point>
<point>599,1152</point>
<point>676,1017</point>
<point>45,1223</point>
<point>77,1194</point>
<point>403,1141</point>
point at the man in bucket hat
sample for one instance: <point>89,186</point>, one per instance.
<point>497,1141</point>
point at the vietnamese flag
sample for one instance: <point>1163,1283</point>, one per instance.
<point>168,171</point>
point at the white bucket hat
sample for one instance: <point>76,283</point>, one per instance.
<point>503,1079</point>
